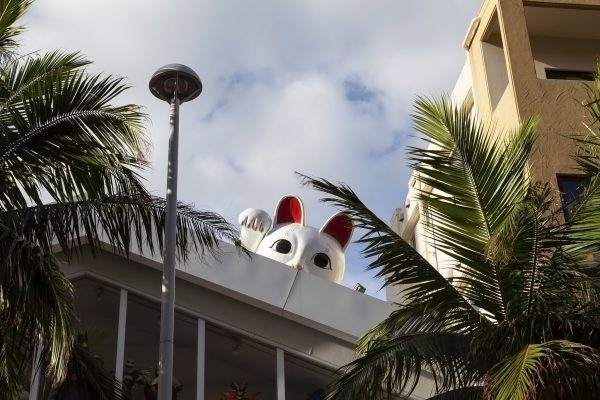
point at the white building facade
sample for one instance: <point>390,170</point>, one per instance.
<point>239,319</point>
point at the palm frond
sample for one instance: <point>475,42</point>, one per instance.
<point>396,262</point>
<point>525,293</point>
<point>517,377</point>
<point>87,379</point>
<point>583,225</point>
<point>473,181</point>
<point>20,75</point>
<point>126,222</point>
<point>60,137</point>
<point>592,107</point>
<point>10,12</point>
<point>59,134</point>
<point>395,365</point>
<point>433,308</point>
<point>588,152</point>
<point>575,263</point>
<point>36,306</point>
<point>533,237</point>
<point>13,355</point>
<point>466,393</point>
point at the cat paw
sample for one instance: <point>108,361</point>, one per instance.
<point>255,219</point>
<point>254,225</point>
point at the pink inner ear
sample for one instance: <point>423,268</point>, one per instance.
<point>289,210</point>
<point>340,227</point>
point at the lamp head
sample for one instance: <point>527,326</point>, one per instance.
<point>167,78</point>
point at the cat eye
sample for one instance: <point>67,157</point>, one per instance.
<point>322,260</point>
<point>282,246</point>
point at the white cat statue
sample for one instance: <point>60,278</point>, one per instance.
<point>317,252</point>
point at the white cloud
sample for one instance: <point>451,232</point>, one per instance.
<point>276,78</point>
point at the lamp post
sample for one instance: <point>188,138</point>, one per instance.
<point>175,84</point>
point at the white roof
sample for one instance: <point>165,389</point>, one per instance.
<point>275,287</point>
<point>293,294</point>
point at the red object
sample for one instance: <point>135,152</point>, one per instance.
<point>340,227</point>
<point>289,210</point>
<point>239,393</point>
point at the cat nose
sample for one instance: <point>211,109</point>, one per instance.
<point>299,267</point>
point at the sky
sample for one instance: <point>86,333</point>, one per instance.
<point>322,87</point>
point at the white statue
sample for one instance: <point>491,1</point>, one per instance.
<point>318,252</point>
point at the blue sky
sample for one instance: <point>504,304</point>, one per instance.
<point>320,87</point>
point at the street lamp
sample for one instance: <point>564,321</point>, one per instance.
<point>175,84</point>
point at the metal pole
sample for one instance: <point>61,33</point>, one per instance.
<point>120,363</point>
<point>200,360</point>
<point>165,363</point>
<point>36,372</point>
<point>280,374</point>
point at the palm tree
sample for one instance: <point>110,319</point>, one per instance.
<point>520,319</point>
<point>70,174</point>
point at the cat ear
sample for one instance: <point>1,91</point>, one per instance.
<point>340,227</point>
<point>289,209</point>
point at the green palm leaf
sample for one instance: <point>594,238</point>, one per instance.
<point>394,364</point>
<point>517,377</point>
<point>524,297</point>
<point>61,135</point>
<point>36,306</point>
<point>467,393</point>
<point>127,222</point>
<point>11,11</point>
<point>20,75</point>
<point>88,379</point>
<point>62,140</point>
<point>474,182</point>
<point>396,261</point>
<point>434,310</point>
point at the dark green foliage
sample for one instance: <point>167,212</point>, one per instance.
<point>70,165</point>
<point>520,317</point>
<point>87,377</point>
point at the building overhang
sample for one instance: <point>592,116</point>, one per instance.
<point>265,284</point>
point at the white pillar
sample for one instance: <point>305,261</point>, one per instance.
<point>200,362</point>
<point>280,375</point>
<point>121,335</point>
<point>36,372</point>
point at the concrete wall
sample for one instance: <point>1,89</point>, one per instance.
<point>492,84</point>
<point>258,297</point>
<point>556,103</point>
<point>564,53</point>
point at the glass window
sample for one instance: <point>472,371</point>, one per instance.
<point>305,380</point>
<point>570,188</point>
<point>142,342</point>
<point>142,339</point>
<point>97,307</point>
<point>185,356</point>
<point>237,363</point>
<point>569,75</point>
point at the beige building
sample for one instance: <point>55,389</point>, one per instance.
<point>523,58</point>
